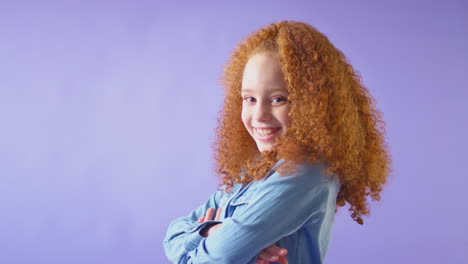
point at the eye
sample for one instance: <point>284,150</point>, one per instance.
<point>249,99</point>
<point>278,99</point>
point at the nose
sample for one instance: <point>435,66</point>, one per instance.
<point>262,112</point>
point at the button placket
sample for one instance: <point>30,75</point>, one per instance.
<point>228,204</point>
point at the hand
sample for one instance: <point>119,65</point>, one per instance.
<point>207,217</point>
<point>271,254</point>
<point>267,255</point>
<point>209,214</point>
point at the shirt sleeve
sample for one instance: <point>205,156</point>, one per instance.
<point>280,206</point>
<point>183,233</point>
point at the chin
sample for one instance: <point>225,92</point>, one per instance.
<point>264,148</point>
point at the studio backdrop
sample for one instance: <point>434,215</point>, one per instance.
<point>108,110</point>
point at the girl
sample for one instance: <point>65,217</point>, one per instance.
<point>298,137</point>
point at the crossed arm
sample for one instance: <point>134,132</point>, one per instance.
<point>240,238</point>
<point>270,254</point>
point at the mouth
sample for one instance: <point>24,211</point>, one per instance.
<point>266,134</point>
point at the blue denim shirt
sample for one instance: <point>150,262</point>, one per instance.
<point>293,211</point>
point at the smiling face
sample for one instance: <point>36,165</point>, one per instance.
<point>264,106</point>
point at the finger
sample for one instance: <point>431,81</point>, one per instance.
<point>201,219</point>
<point>283,260</point>
<point>260,261</point>
<point>209,214</point>
<point>275,250</point>
<point>266,256</point>
<point>218,213</point>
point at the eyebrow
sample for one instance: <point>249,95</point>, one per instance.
<point>273,90</point>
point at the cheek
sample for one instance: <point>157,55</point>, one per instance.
<point>245,118</point>
<point>285,119</point>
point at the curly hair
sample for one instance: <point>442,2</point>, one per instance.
<point>333,117</point>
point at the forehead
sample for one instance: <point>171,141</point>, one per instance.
<point>263,71</point>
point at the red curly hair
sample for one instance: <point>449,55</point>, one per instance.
<point>333,117</point>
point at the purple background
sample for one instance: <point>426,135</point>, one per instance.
<point>108,111</point>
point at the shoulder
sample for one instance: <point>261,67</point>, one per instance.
<point>224,193</point>
<point>305,172</point>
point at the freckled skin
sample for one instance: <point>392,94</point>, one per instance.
<point>264,96</point>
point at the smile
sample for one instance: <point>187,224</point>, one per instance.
<point>266,134</point>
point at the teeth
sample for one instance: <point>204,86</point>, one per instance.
<point>264,132</point>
